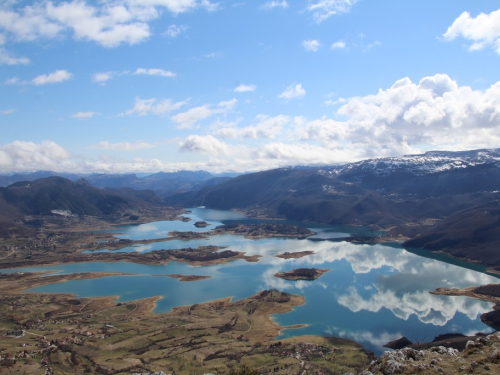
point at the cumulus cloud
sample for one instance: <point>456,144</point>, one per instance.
<point>21,155</point>
<point>207,144</point>
<point>275,4</point>
<point>43,79</point>
<point>154,72</point>
<point>84,115</point>
<point>123,146</point>
<point>338,45</point>
<point>266,128</point>
<point>483,30</point>
<point>102,77</point>
<point>153,106</point>
<point>7,59</point>
<point>175,30</point>
<point>435,111</point>
<point>245,88</point>
<point>188,119</point>
<point>292,92</point>
<point>324,9</point>
<point>311,45</point>
<point>55,77</point>
<point>106,23</point>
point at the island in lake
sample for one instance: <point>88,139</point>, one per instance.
<point>256,231</point>
<point>295,255</point>
<point>201,224</point>
<point>189,277</point>
<point>302,274</point>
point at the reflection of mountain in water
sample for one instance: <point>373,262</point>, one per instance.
<point>373,293</point>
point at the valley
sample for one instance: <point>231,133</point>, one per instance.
<point>90,250</point>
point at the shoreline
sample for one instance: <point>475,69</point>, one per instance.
<point>120,336</point>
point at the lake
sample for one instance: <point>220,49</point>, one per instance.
<point>373,293</point>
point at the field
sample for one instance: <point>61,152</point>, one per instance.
<point>63,335</point>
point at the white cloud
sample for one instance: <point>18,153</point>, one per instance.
<point>7,111</point>
<point>398,120</point>
<point>283,154</point>
<point>204,144</point>
<point>13,81</point>
<point>245,88</point>
<point>266,128</point>
<point>21,155</point>
<point>311,45</point>
<point>106,23</point>
<point>213,55</point>
<point>292,92</point>
<point>338,45</point>
<point>154,72</point>
<point>483,30</point>
<point>43,79</point>
<point>123,146</point>
<point>227,105</point>
<point>371,45</point>
<point>153,106</point>
<point>188,119</point>
<point>435,111</point>
<point>84,115</point>
<point>7,59</point>
<point>175,30</point>
<point>275,4</point>
<point>102,77</point>
<point>56,77</point>
<point>323,9</point>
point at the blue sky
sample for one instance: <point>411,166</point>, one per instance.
<point>162,85</point>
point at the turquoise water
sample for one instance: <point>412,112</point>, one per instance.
<point>373,293</point>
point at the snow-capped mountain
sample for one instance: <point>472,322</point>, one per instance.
<point>418,165</point>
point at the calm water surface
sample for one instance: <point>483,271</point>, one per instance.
<point>373,293</point>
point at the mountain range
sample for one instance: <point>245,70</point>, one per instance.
<point>440,201</point>
<point>163,183</point>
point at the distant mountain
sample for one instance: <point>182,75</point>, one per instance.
<point>449,198</point>
<point>294,192</point>
<point>163,183</point>
<point>431,174</point>
<point>43,196</point>
<point>9,179</point>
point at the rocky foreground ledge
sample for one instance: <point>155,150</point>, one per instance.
<point>481,356</point>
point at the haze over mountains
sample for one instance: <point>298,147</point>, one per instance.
<point>446,201</point>
<point>162,182</point>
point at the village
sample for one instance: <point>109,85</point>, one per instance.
<point>53,334</point>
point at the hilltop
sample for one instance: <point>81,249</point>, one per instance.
<point>27,203</point>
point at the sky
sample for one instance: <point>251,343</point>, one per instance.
<point>141,86</point>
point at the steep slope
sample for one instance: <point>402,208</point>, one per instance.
<point>445,201</point>
<point>56,193</point>
<point>431,174</point>
<point>473,234</point>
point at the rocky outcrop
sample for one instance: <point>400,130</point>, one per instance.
<point>481,356</point>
